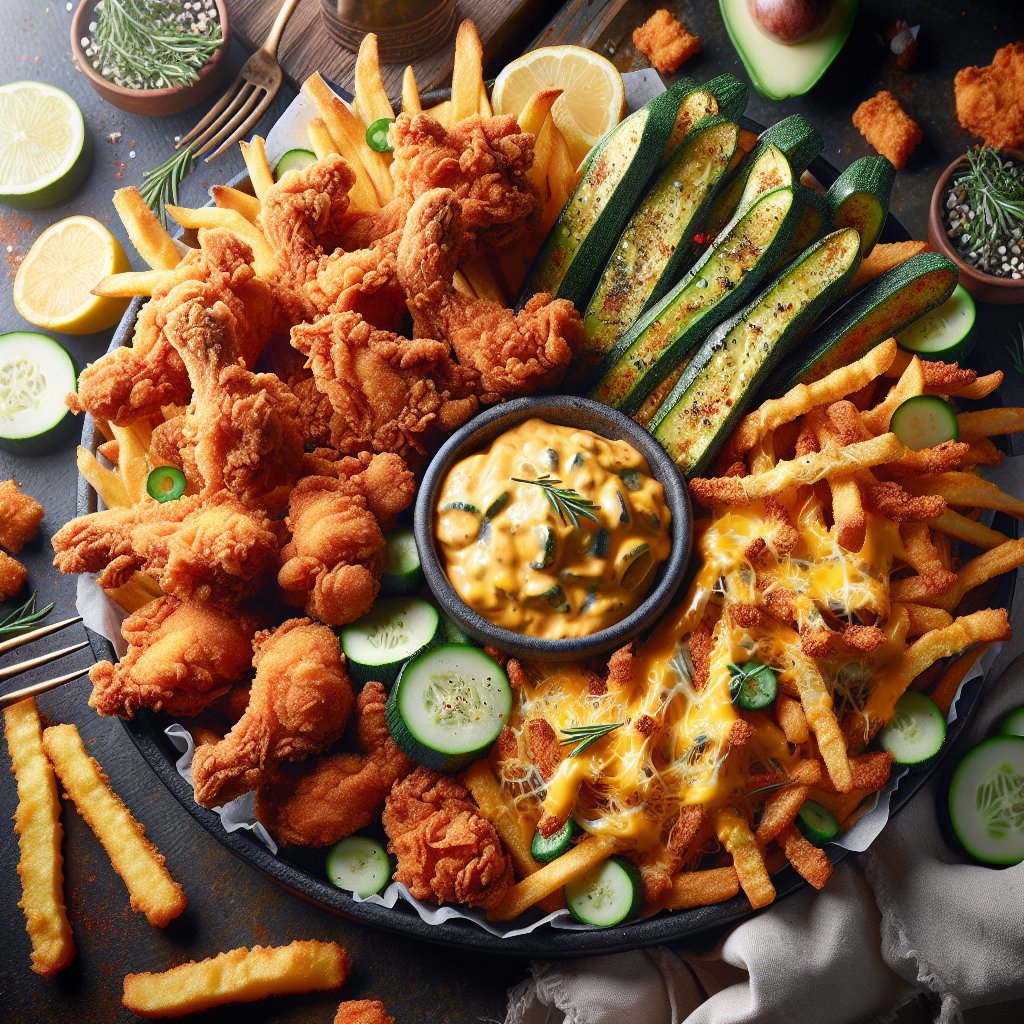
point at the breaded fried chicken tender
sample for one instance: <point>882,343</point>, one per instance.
<point>888,128</point>
<point>990,99</point>
<point>181,657</point>
<point>20,516</point>
<point>447,851</point>
<point>12,575</point>
<point>665,41</point>
<point>331,566</point>
<point>318,803</point>
<point>514,354</point>
<point>299,704</point>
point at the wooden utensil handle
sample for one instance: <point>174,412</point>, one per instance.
<point>273,39</point>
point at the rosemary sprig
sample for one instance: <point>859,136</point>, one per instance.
<point>995,193</point>
<point>160,185</point>
<point>570,505</point>
<point>584,735</point>
<point>1015,346</point>
<point>23,618</point>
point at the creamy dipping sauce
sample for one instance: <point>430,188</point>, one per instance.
<point>552,531</point>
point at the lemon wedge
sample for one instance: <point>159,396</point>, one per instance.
<point>53,287</point>
<point>593,98</point>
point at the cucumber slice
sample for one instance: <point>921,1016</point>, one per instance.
<point>945,332</point>
<point>917,730</point>
<point>549,847</point>
<point>448,706</point>
<point>359,864</point>
<point>378,644</point>
<point>1013,723</point>
<point>402,573</point>
<point>607,895</point>
<point>36,373</point>
<point>817,822</point>
<point>456,635</point>
<point>753,685</point>
<point>293,160</point>
<point>924,421</point>
<point>986,801</point>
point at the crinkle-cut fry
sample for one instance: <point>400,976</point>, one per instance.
<point>37,825</point>
<point>370,100</point>
<point>922,618</point>
<point>140,864</point>
<point>554,875</point>
<point>943,458</point>
<point>909,385</point>
<point>106,483</point>
<point>261,177</point>
<point>467,72</point>
<point>702,888</point>
<point>979,570</point>
<point>486,790</point>
<point>967,490</point>
<point>869,772</point>
<point>953,524</point>
<point>1000,419</point>
<point>147,234</point>
<point>734,834</point>
<point>792,720</point>
<point>983,452</point>
<point>237,976</point>
<point>848,513</point>
<point>949,379</point>
<point>889,499</point>
<point>923,557</point>
<point>980,387</point>
<point>945,690</point>
<point>810,862</point>
<point>264,259</point>
<point>804,397</point>
<point>320,139</point>
<point>131,283</point>
<point>806,469</point>
<point>987,625</point>
<point>410,92</point>
<point>228,198</point>
<point>780,811</point>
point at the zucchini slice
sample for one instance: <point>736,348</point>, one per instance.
<point>815,221</point>
<point>879,311</point>
<point>377,645</point>
<point>925,421</point>
<point>359,864</point>
<point>817,822</point>
<point>724,278</point>
<point>1013,723</point>
<point>36,373</point>
<point>860,198</point>
<point>609,894</point>
<point>657,244</point>
<point>448,706</point>
<point>615,175</point>
<point>293,160</point>
<point>945,332</point>
<point>917,730</point>
<point>725,95</point>
<point>725,375</point>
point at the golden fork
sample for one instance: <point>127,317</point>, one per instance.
<point>7,699</point>
<point>249,97</point>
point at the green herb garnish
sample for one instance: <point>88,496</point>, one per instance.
<point>570,505</point>
<point>160,185</point>
<point>24,617</point>
<point>1015,346</point>
<point>584,735</point>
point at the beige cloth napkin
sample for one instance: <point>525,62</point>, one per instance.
<point>909,916</point>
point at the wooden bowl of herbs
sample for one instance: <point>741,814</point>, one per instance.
<point>151,57</point>
<point>976,218</point>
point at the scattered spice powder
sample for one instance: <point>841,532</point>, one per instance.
<point>13,229</point>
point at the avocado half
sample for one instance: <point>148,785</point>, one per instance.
<point>779,69</point>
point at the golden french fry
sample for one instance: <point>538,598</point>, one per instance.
<point>967,490</point>
<point>535,118</point>
<point>923,618</point>
<point>441,112</point>
<point>228,198</point>
<point>882,258</point>
<point>923,557</point>
<point>792,720</point>
<point>136,593</point>
<point>945,690</point>
<point>238,976</point>
<point>468,72</point>
<point>510,265</point>
<point>261,177</point>
<point>979,388</point>
<point>810,862</point>
<point>554,875</point>
<point>910,385</point>
<point>462,285</point>
<point>848,512</point>
<point>138,862</point>
<point>107,484</point>
<point>484,102</point>
<point>410,92</point>
<point>702,888</point>
<point>486,790</point>
<point>561,175</point>
<point>734,834</point>
<point>990,422</point>
<point>953,524</point>
<point>264,259</point>
<point>132,462</point>
<point>37,825</point>
<point>804,397</point>
<point>132,283</point>
<point>147,234</point>
<point>979,570</point>
<point>320,140</point>
<point>370,101</point>
<point>821,719</point>
<point>481,278</point>
<point>780,811</point>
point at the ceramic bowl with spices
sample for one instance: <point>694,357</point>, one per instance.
<point>151,57</point>
<point>976,218</point>
<point>553,528</point>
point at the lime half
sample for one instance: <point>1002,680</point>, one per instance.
<point>43,145</point>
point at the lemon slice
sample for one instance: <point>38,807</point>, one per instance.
<point>53,288</point>
<point>43,145</point>
<point>592,101</point>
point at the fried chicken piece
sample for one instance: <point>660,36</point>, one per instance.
<point>12,575</point>
<point>211,549</point>
<point>665,41</point>
<point>888,128</point>
<point>244,426</point>
<point>388,393</point>
<point>299,704</point>
<point>332,563</point>
<point>20,516</point>
<point>181,656</point>
<point>990,99</point>
<point>135,382</point>
<point>447,852</point>
<point>515,355</point>
<point>362,1011</point>
<point>317,804</point>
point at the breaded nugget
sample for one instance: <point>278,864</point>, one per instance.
<point>12,575</point>
<point>20,516</point>
<point>888,127</point>
<point>990,100</point>
<point>664,40</point>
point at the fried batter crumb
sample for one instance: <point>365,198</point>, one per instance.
<point>664,40</point>
<point>12,575</point>
<point>990,99</point>
<point>888,128</point>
